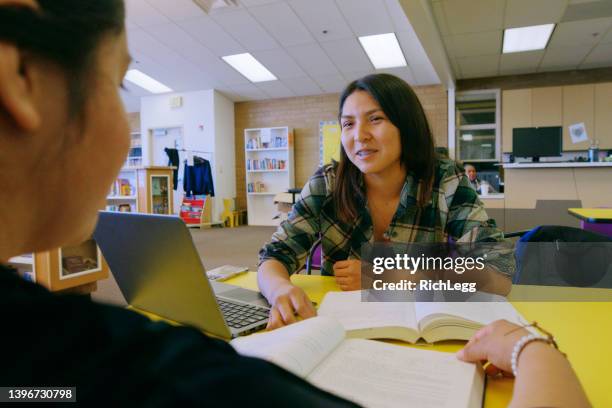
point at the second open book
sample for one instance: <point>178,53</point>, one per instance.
<point>370,373</point>
<point>410,321</point>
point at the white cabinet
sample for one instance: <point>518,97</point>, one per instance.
<point>269,170</point>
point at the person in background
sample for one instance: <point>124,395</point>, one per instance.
<point>470,172</point>
<point>62,122</point>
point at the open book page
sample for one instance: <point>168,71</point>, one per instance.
<point>466,314</point>
<point>376,374</point>
<point>357,315</point>
<point>298,347</point>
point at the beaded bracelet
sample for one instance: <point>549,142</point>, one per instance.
<point>520,345</point>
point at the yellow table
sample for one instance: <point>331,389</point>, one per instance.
<point>593,215</point>
<point>583,330</point>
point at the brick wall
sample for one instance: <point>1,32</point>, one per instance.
<point>303,115</point>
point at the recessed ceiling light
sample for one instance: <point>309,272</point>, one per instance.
<point>144,81</point>
<point>383,50</point>
<point>248,66</point>
<point>527,38</point>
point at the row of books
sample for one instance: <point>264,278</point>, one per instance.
<point>256,187</point>
<point>122,187</point>
<point>272,142</point>
<point>266,164</point>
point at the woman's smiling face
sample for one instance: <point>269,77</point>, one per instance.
<point>370,140</point>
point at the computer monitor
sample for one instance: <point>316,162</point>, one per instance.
<point>537,142</point>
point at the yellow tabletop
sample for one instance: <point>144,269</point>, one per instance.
<point>595,215</point>
<point>583,330</point>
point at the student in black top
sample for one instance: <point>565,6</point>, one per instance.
<point>63,139</point>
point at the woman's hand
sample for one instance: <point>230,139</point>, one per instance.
<point>287,302</point>
<point>493,343</point>
<point>348,274</point>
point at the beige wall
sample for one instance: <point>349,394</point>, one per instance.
<point>303,115</point>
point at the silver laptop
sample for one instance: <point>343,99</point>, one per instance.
<point>158,270</point>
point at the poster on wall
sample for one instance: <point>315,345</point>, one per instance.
<point>329,141</point>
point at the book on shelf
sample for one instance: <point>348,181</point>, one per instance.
<point>257,143</point>
<point>266,164</point>
<point>256,187</point>
<point>370,373</point>
<point>410,321</point>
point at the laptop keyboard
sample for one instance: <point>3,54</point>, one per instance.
<point>240,315</point>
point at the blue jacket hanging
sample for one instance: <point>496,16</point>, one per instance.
<point>198,179</point>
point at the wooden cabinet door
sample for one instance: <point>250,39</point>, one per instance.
<point>547,106</point>
<point>578,106</point>
<point>603,114</point>
<point>516,113</point>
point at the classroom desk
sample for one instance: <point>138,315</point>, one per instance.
<point>597,220</point>
<point>593,215</point>
<point>583,331</point>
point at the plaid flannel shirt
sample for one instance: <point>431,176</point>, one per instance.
<point>454,211</point>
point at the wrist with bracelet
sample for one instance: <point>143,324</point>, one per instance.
<point>521,343</point>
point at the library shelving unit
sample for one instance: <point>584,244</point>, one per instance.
<point>142,189</point>
<point>74,268</point>
<point>269,170</point>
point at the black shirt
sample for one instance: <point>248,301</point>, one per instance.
<point>116,357</point>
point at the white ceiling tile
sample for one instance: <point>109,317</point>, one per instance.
<point>474,44</point>
<point>456,68</point>
<point>275,89</point>
<point>143,14</point>
<point>175,38</point>
<point>580,32</point>
<point>529,60</point>
<point>245,29</point>
<point>522,13</point>
<point>600,56</point>
<point>249,92</point>
<point>347,55</point>
<point>401,72</point>
<point>411,47</point>
<point>303,86</point>
<point>312,59</point>
<point>178,10</point>
<point>424,74</point>
<point>139,41</point>
<point>475,67</point>
<point>282,23</point>
<point>366,17</point>
<point>553,68</point>
<point>440,17</point>
<point>331,83</point>
<point>357,75</point>
<point>211,35</point>
<point>469,16</point>
<point>251,3</point>
<point>398,15</point>
<point>322,15</point>
<point>279,63</point>
<point>563,57</point>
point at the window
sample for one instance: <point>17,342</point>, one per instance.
<point>477,134</point>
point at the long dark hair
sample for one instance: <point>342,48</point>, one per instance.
<point>401,105</point>
<point>64,32</point>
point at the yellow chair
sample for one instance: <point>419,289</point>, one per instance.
<point>229,216</point>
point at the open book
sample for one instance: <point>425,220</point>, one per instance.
<point>370,373</point>
<point>410,321</point>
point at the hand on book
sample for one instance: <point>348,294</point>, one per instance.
<point>288,304</point>
<point>493,343</point>
<point>348,274</point>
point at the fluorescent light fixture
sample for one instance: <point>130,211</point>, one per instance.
<point>144,81</point>
<point>527,38</point>
<point>248,66</point>
<point>383,50</point>
<point>468,137</point>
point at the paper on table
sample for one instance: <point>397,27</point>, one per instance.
<point>578,132</point>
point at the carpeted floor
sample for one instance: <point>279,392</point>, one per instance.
<point>216,246</point>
